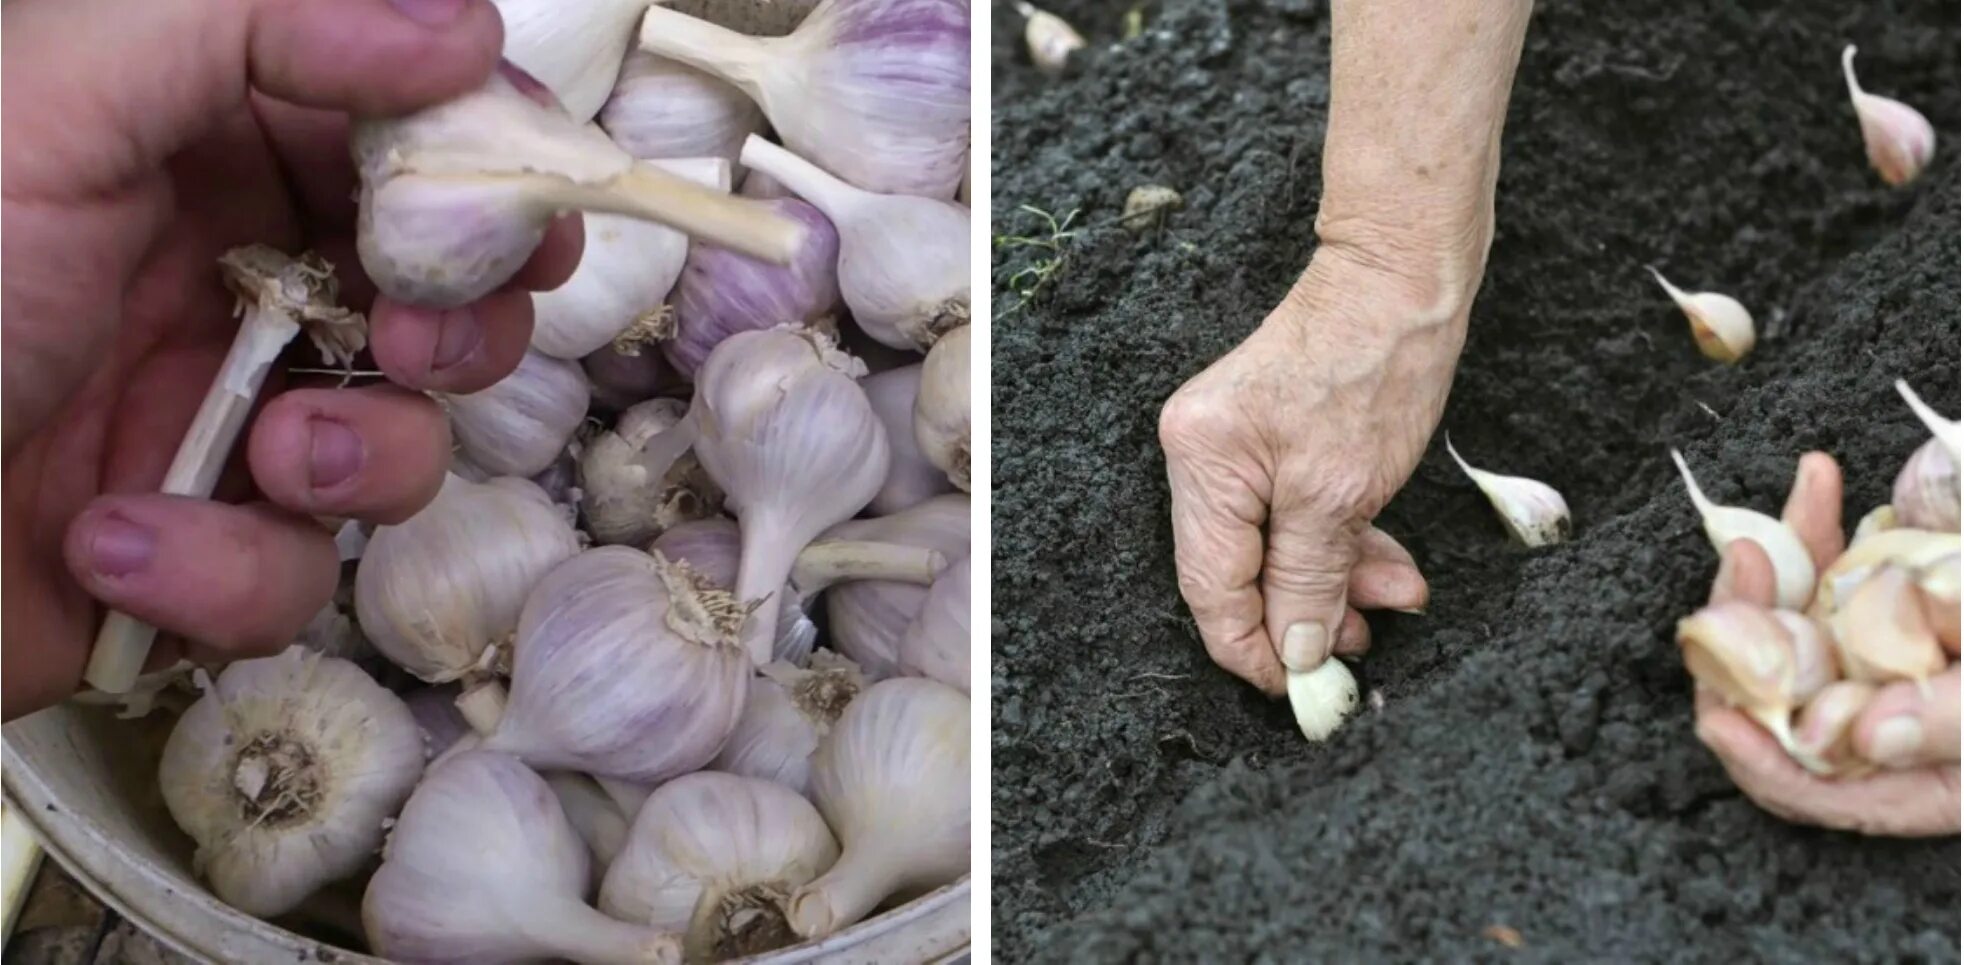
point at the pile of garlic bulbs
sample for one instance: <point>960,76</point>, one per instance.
<point>1886,610</point>
<point>675,665</point>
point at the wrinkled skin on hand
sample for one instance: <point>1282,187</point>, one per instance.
<point>1914,792</point>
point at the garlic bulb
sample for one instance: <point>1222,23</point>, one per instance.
<point>665,108</point>
<point>868,617</point>
<point>626,665</point>
<point>574,48</point>
<point>721,293</point>
<point>1535,514</point>
<point>284,772</point>
<point>903,260</point>
<point>1926,492</point>
<point>1947,431</point>
<point>520,425</point>
<point>1793,567</point>
<point>1825,729</point>
<point>1746,656</point>
<point>788,712</point>
<point>436,591</point>
<point>911,478</point>
<point>1898,138</point>
<point>1882,632</point>
<point>941,407</point>
<point>788,434</point>
<point>625,271</point>
<point>624,497</point>
<point>483,867</point>
<point>716,857</point>
<point>875,91</point>
<point>936,643</point>
<point>1720,325</point>
<point>623,376</point>
<point>892,781</point>
<point>455,198</point>
<point>711,546</point>
<point>1050,39</point>
<point>1322,698</point>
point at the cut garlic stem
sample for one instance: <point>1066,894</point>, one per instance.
<point>1535,514</point>
<point>1721,326</point>
<point>1793,567</point>
<point>1947,431</point>
<point>277,295</point>
<point>1322,698</point>
<point>1897,137</point>
<point>483,705</point>
<point>645,191</point>
<point>826,562</point>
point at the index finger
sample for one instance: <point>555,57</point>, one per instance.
<point>1813,509</point>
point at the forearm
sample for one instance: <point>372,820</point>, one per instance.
<point>1418,95</point>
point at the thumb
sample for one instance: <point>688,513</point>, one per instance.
<point>1305,579</point>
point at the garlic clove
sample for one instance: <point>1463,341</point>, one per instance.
<point>936,644</point>
<point>1911,549</point>
<point>1535,514</point>
<point>911,478</point>
<point>1720,325</point>
<point>1747,656</point>
<point>867,618</point>
<point>1947,431</point>
<point>1322,698</point>
<point>1882,633</point>
<point>1824,732</point>
<point>1051,40</point>
<point>1813,653</point>
<point>1878,520</point>
<point>1793,566</point>
<point>941,408</point>
<point>1898,138</point>
<point>1926,493</point>
<point>1937,587</point>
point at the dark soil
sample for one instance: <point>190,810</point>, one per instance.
<point>1533,764</point>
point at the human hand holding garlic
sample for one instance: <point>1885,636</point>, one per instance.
<point>141,142</point>
<point>1911,734</point>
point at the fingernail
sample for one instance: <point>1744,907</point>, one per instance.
<point>431,13</point>
<point>334,455</point>
<point>1304,645</point>
<point>1896,741</point>
<point>118,547</point>
<point>458,335</point>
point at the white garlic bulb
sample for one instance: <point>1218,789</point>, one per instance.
<point>786,432</point>
<point>1720,325</point>
<point>520,425</point>
<point>716,857</point>
<point>892,781</point>
<point>911,478</point>
<point>936,644</point>
<point>941,408</point>
<point>435,592</point>
<point>574,48</point>
<point>626,665</point>
<point>483,867</point>
<point>711,547</point>
<point>1898,138</point>
<point>1926,493</point>
<point>1535,514</point>
<point>1793,566</point>
<point>789,710</point>
<point>638,478</point>
<point>665,108</point>
<point>868,617</point>
<point>1322,698</point>
<point>284,772</point>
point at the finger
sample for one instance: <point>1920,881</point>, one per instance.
<point>451,350</point>
<point>376,453</point>
<point>1353,635</point>
<point>1376,544</point>
<point>1908,724</point>
<point>1813,508</point>
<point>552,263</point>
<point>1377,584</point>
<point>1306,580</point>
<point>1745,573</point>
<point>381,57</point>
<point>239,579</point>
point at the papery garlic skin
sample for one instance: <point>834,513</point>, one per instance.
<point>868,617</point>
<point>284,772</point>
<point>721,292</point>
<point>1534,513</point>
<point>717,856</point>
<point>626,665</point>
<point>936,643</point>
<point>1898,138</point>
<point>518,426</point>
<point>435,591</point>
<point>1793,566</point>
<point>711,546</point>
<point>1926,494</point>
<point>626,499</point>
<point>1322,698</point>
<point>789,710</point>
<point>483,867</point>
<point>892,781</point>
<point>1720,325</point>
<point>911,478</point>
<point>941,408</point>
<point>574,48</point>
<point>664,108</point>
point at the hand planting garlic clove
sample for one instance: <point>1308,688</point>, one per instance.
<point>1720,325</point>
<point>911,478</point>
<point>935,645</point>
<point>1746,656</point>
<point>1050,39</point>
<point>721,292</point>
<point>892,780</point>
<point>284,773</point>
<point>1793,566</point>
<point>1535,514</point>
<point>1926,494</point>
<point>874,91</point>
<point>867,618</point>
<point>941,407</point>
<point>716,857</point>
<point>1898,138</point>
<point>789,710</point>
<point>575,49</point>
<point>628,500</point>
<point>665,108</point>
<point>484,867</point>
<point>903,260</point>
<point>1882,633</point>
<point>434,593</point>
<point>520,425</point>
<point>1322,698</point>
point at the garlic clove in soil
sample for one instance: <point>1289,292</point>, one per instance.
<point>1911,549</point>
<point>1824,732</point>
<point>626,498</point>
<point>1720,325</point>
<point>789,710</point>
<point>284,773</point>
<point>483,866</point>
<point>867,618</point>
<point>665,108</point>
<point>1535,514</point>
<point>1898,138</point>
<point>1926,494</point>
<point>1746,656</point>
<point>716,857</point>
<point>1947,431</point>
<point>941,407</point>
<point>518,426</point>
<point>1882,634</point>
<point>435,592</point>
<point>1051,40</point>
<point>892,780</point>
<point>1793,566</point>
<point>911,478</point>
<point>1322,698</point>
<point>935,646</point>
